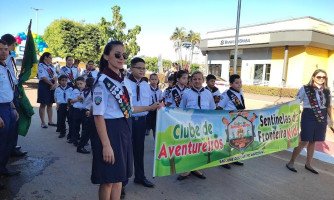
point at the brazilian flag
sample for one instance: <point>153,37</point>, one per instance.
<point>28,70</point>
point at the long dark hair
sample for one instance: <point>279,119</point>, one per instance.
<point>44,55</point>
<point>106,51</point>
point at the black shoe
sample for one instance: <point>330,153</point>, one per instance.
<point>52,124</point>
<point>144,182</point>
<point>61,136</point>
<point>18,153</point>
<point>123,193</point>
<point>75,144</point>
<point>69,141</point>
<point>18,147</point>
<point>10,173</point>
<point>292,168</point>
<point>311,170</point>
<point>57,130</point>
<point>182,177</point>
<point>226,166</point>
<point>83,150</point>
<point>2,186</point>
<point>198,174</point>
<point>238,163</point>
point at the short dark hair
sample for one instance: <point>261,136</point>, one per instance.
<point>10,39</point>
<point>90,82</point>
<point>179,74</point>
<point>67,57</point>
<point>210,77</point>
<point>90,61</point>
<point>3,42</point>
<point>136,60</point>
<point>233,77</point>
<point>153,74</point>
<point>170,78</point>
<point>80,78</point>
<point>61,77</point>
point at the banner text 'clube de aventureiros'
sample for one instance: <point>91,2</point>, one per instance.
<point>187,140</point>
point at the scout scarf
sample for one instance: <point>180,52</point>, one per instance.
<point>235,100</point>
<point>199,96</point>
<point>69,74</point>
<point>155,99</point>
<point>120,94</point>
<point>310,93</point>
<point>10,78</point>
<point>48,69</point>
<point>132,78</point>
<point>177,96</point>
<point>64,91</point>
<point>212,90</point>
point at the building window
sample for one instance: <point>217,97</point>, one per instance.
<point>267,72</point>
<point>215,69</point>
<point>261,74</point>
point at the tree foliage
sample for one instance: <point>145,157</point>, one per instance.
<point>86,41</point>
<point>151,63</point>
<point>185,40</point>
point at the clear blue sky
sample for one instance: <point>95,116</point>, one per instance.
<point>158,18</point>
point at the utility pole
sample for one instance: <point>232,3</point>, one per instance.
<point>36,10</point>
<point>236,38</point>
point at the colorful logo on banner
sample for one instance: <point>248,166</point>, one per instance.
<point>189,140</point>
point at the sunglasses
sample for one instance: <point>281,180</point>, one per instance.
<point>321,77</point>
<point>119,55</point>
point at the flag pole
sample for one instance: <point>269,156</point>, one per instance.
<point>236,38</point>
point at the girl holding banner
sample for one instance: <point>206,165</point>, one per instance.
<point>316,100</point>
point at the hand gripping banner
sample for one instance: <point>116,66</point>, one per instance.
<point>190,139</point>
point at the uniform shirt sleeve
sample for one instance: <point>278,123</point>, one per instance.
<point>41,71</point>
<point>57,95</point>
<point>301,94</point>
<point>100,98</point>
<point>223,100</point>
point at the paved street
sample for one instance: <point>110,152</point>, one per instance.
<point>53,170</point>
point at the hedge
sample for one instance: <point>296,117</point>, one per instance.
<point>271,91</point>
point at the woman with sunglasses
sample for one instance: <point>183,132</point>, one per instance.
<point>316,111</point>
<point>112,109</point>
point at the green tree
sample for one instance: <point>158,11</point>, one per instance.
<point>115,30</point>
<point>151,63</point>
<point>178,36</point>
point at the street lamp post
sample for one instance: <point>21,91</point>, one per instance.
<point>36,10</point>
<point>236,38</point>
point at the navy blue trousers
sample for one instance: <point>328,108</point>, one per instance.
<point>88,129</point>
<point>61,118</point>
<point>138,141</point>
<point>78,119</point>
<point>7,134</point>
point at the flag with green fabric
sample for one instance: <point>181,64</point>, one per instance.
<point>28,71</point>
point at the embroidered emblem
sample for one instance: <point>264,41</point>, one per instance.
<point>98,100</point>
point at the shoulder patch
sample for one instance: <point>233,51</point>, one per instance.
<point>97,100</point>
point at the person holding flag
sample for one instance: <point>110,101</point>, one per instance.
<point>10,62</point>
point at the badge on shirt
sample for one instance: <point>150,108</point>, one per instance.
<point>98,100</point>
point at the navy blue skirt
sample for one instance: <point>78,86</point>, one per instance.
<point>311,129</point>
<point>45,95</point>
<point>119,133</point>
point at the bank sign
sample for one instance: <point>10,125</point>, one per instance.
<point>245,40</point>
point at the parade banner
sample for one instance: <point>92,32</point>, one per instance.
<point>188,140</point>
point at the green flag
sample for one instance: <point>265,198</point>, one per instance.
<point>28,70</point>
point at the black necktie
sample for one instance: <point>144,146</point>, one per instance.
<point>132,78</point>
<point>199,96</point>
<point>155,94</point>
<point>12,85</point>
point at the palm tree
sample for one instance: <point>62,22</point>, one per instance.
<point>178,36</point>
<point>194,39</point>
